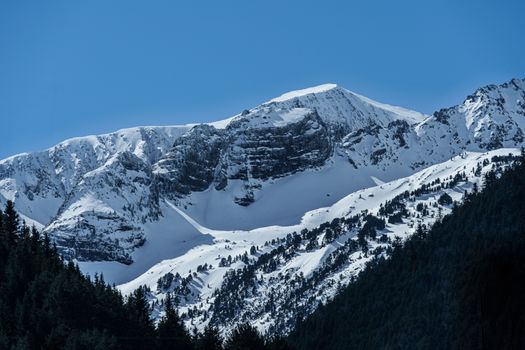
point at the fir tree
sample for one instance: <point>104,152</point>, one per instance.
<point>171,331</point>
<point>4,245</point>
<point>244,337</point>
<point>138,308</point>
<point>210,339</point>
<point>11,222</point>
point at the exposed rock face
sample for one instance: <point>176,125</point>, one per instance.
<point>91,194</point>
<point>88,229</point>
<point>206,156</point>
<point>271,152</point>
<point>94,195</point>
<point>190,164</point>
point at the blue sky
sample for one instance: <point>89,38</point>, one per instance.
<point>72,68</point>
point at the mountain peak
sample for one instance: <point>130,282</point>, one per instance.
<point>127,203</point>
<point>308,91</point>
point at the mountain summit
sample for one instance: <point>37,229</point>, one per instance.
<point>144,203</point>
<point>96,195</point>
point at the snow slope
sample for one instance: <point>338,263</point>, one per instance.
<point>199,300</point>
<point>141,202</point>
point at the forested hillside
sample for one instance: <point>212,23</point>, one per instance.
<point>46,303</point>
<point>461,285</point>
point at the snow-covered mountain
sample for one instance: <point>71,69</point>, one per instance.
<point>140,204</point>
<point>271,276</point>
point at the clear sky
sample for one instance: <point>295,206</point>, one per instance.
<point>72,68</point>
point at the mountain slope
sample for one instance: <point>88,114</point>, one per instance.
<point>144,202</point>
<point>94,195</point>
<point>459,286</point>
<point>274,275</point>
<point>77,190</point>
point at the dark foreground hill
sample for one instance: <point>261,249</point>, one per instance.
<point>461,285</point>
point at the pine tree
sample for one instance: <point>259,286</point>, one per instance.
<point>210,339</point>
<point>244,337</point>
<point>11,222</point>
<point>1,223</point>
<point>445,199</point>
<point>171,331</point>
<point>35,238</point>
<point>420,232</point>
<point>4,248</point>
<point>278,343</point>
<point>138,308</point>
<point>47,244</point>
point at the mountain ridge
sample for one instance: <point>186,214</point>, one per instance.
<point>300,130</point>
<point>148,204</point>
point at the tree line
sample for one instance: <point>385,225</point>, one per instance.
<point>47,303</point>
<point>458,285</point>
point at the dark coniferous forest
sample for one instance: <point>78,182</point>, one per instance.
<point>459,285</point>
<point>46,303</point>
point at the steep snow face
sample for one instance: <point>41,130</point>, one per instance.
<point>99,196</point>
<point>270,276</point>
